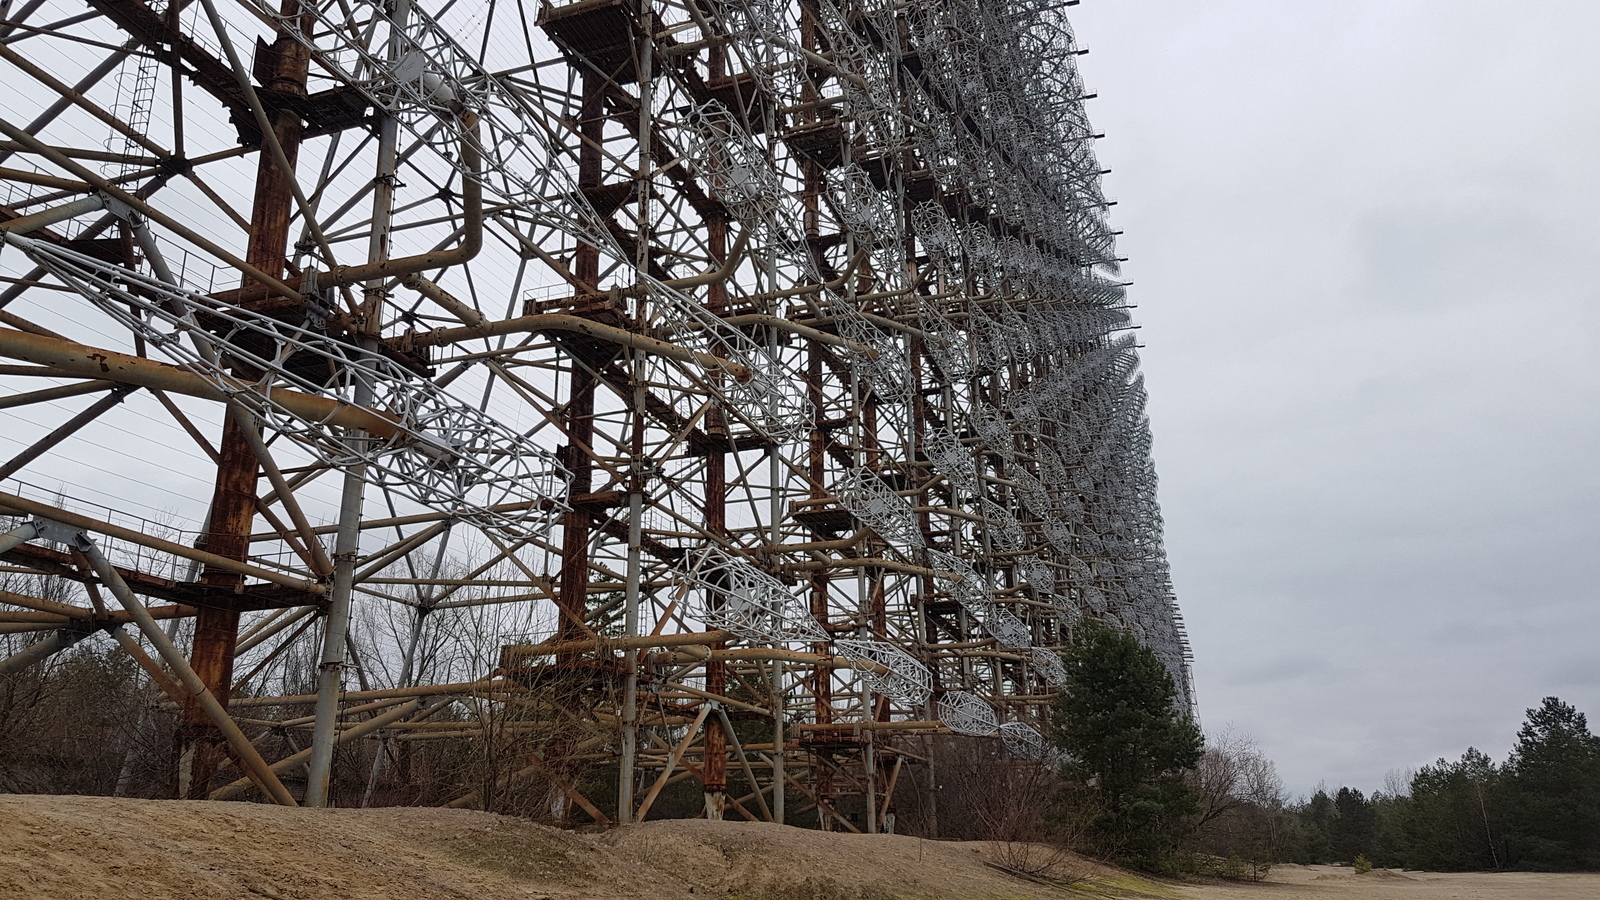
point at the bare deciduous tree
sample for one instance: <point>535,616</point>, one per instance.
<point>1232,773</point>
<point>1015,805</point>
<point>1241,797</point>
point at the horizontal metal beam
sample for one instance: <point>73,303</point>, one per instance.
<point>83,361</point>
<point>570,324</point>
<point>35,508</point>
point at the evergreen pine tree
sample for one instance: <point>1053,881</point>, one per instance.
<point>1316,829</point>
<point>1554,785</point>
<point>1127,743</point>
<point>1352,830</point>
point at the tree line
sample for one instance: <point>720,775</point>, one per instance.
<point>1539,810</point>
<point>1138,784</point>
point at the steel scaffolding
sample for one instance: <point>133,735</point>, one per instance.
<point>719,361</point>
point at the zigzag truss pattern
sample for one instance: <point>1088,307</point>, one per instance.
<point>719,361</point>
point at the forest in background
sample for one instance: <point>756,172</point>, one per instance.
<point>1539,810</point>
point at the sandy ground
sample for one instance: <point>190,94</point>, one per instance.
<point>1330,883</point>
<point>88,847</point>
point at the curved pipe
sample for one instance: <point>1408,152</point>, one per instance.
<point>516,653</point>
<point>833,285</point>
<point>691,647</point>
<point>735,255</point>
<point>694,653</point>
<point>882,322</point>
<point>721,274</point>
<point>472,226</point>
<point>835,727</point>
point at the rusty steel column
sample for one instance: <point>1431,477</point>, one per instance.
<point>822,684</point>
<point>715,782</point>
<point>592,127</point>
<point>578,417</point>
<point>233,502</point>
<point>216,627</point>
<point>289,62</point>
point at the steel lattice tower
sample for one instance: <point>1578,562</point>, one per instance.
<point>692,362</point>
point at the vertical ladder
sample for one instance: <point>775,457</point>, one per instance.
<point>136,94</point>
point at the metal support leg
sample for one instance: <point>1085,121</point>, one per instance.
<point>778,739</point>
<point>329,681</point>
<point>245,751</point>
<point>630,686</point>
<point>870,765</point>
<point>18,536</point>
<point>40,650</point>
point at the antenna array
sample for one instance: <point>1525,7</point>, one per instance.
<point>754,357</point>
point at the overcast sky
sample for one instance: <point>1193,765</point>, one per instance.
<point>1365,245</point>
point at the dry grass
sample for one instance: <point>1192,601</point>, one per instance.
<point>90,847</point>
<point>1045,862</point>
<point>93,847</point>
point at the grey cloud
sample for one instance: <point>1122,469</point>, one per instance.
<point>1362,240</point>
<point>1284,670</point>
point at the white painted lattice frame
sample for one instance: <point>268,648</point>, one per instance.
<point>872,501</point>
<point>730,593</point>
<point>906,679</point>
<point>1024,741</point>
<point>967,713</point>
<point>444,454</point>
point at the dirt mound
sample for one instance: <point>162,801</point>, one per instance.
<point>91,847</point>
<point>751,860</point>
